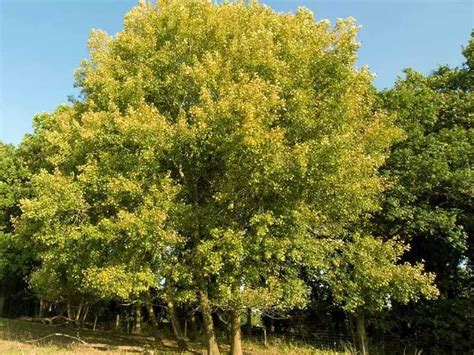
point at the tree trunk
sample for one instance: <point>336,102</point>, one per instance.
<point>70,314</point>
<point>117,321</point>
<point>178,334</point>
<point>138,317</point>
<point>154,321</point>
<point>84,316</point>
<point>351,328</point>
<point>211,342</point>
<point>235,341</point>
<point>41,309</point>
<point>193,329</point>
<point>249,322</point>
<point>360,331</point>
<point>78,313</point>
<point>2,299</point>
<point>129,320</point>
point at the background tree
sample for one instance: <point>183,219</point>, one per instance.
<point>366,277</point>
<point>15,258</point>
<point>430,202</point>
<point>17,255</point>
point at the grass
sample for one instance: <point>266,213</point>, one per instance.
<point>25,337</point>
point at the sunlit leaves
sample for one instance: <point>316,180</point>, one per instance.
<point>225,142</point>
<point>366,274</point>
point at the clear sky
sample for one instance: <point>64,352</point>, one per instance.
<point>43,41</point>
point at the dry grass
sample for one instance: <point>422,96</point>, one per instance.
<point>24,337</point>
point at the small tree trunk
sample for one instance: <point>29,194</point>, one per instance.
<point>84,316</point>
<point>117,322</point>
<point>193,331</point>
<point>351,329</point>
<point>249,322</point>
<point>2,299</point>
<point>41,309</point>
<point>69,310</point>
<point>95,323</point>
<point>235,341</point>
<point>154,321</point>
<point>129,319</point>
<point>361,335</point>
<point>211,342</point>
<point>78,313</point>
<point>138,317</point>
<point>182,345</point>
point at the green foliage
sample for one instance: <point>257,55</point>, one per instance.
<point>366,274</point>
<point>214,138</point>
<point>15,257</point>
<point>96,217</point>
<point>430,201</point>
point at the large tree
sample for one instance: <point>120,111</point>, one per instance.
<point>216,148</point>
<point>274,141</point>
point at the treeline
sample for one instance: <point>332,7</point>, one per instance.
<point>229,164</point>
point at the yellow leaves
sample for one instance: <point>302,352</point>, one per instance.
<point>261,222</point>
<point>119,184</point>
<point>56,194</point>
<point>99,43</point>
<point>300,153</point>
<point>368,275</point>
<point>135,21</point>
<point>118,281</point>
<point>144,121</point>
<point>223,137</point>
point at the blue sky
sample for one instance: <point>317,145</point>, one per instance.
<point>43,41</point>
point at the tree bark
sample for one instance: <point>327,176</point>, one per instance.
<point>41,308</point>
<point>138,317</point>
<point>84,315</point>
<point>211,342</point>
<point>193,329</point>
<point>129,321</point>
<point>117,321</point>
<point>360,332</point>
<point>178,334</point>
<point>249,322</point>
<point>70,314</point>
<point>78,313</point>
<point>351,328</point>
<point>154,321</point>
<point>235,341</point>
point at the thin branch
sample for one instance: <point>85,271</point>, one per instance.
<point>56,334</point>
<point>128,304</point>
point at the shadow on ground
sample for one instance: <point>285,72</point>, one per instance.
<point>67,337</point>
